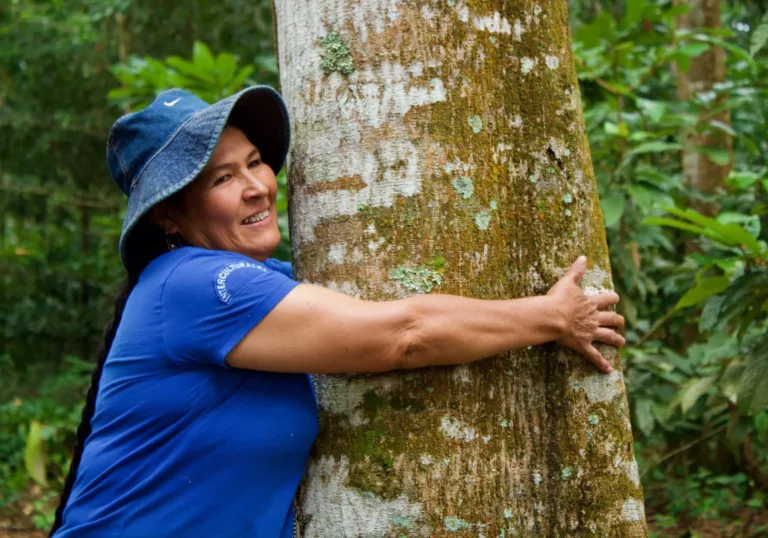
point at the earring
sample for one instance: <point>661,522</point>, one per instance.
<point>172,241</point>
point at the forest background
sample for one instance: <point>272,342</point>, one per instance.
<point>688,248</point>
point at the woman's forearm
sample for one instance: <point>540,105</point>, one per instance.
<point>447,329</point>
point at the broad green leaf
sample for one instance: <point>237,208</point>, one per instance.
<point>729,381</point>
<point>647,197</point>
<point>761,423</point>
<point>709,316</point>
<point>716,155</point>
<point>654,109</point>
<point>753,390</point>
<point>34,453</point>
<point>602,27</point>
<point>705,289</point>
<point>750,223</point>
<point>680,225</point>
<point>613,208</point>
<point>634,12</point>
<point>683,63</point>
<point>191,70</point>
<point>759,36</point>
<point>202,57</point>
<point>742,180</point>
<point>655,146</point>
<point>644,415</point>
<point>617,130</point>
<point>722,126</point>
<point>692,390</point>
<point>729,234</point>
<point>226,67</point>
<point>730,47</point>
<point>237,83</point>
<point>691,50</point>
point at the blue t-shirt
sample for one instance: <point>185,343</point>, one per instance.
<point>182,444</point>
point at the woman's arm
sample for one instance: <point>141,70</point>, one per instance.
<point>317,330</point>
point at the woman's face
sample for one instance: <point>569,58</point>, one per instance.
<point>231,204</point>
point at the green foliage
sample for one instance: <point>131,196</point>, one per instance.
<point>36,433</point>
<point>693,287</point>
<point>729,500</point>
<point>210,78</point>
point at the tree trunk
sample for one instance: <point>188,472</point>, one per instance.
<point>706,70</point>
<point>440,147</point>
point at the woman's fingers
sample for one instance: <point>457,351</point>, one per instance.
<point>597,359</point>
<point>607,336</point>
<point>603,300</point>
<point>610,319</point>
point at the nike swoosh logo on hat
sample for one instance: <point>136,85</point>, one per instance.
<point>171,103</point>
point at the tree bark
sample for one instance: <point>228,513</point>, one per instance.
<point>440,147</point>
<point>705,71</point>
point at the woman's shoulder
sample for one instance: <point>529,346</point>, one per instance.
<point>194,260</point>
<point>189,269</point>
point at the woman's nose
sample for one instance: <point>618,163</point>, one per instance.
<point>254,186</point>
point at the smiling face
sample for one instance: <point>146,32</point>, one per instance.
<point>230,205</point>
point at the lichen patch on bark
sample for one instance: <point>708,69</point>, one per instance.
<point>335,509</point>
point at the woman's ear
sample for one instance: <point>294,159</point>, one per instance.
<point>162,215</point>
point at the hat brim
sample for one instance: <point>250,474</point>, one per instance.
<point>258,111</point>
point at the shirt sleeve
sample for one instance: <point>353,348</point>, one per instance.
<point>278,265</point>
<point>211,301</point>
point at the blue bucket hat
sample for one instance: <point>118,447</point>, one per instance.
<point>156,152</point>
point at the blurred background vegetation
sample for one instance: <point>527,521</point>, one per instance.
<point>674,96</point>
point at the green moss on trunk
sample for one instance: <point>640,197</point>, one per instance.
<point>462,127</point>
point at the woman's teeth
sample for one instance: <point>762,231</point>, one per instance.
<point>256,218</point>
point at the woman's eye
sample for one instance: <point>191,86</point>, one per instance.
<point>222,179</point>
<point>253,163</point>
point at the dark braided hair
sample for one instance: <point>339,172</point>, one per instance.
<point>84,429</point>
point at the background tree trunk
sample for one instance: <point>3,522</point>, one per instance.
<point>440,147</point>
<point>705,71</point>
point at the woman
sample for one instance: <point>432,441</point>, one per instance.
<point>199,421</point>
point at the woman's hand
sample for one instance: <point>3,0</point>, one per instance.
<point>584,323</point>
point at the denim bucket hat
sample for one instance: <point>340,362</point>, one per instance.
<point>156,152</point>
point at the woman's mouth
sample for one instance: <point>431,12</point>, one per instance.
<point>258,217</point>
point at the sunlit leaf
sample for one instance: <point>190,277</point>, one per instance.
<point>226,67</point>
<point>716,155</point>
<point>759,36</point>
<point>729,47</point>
<point>750,223</point>
<point>705,289</point>
<point>692,390</point>
<point>654,109</point>
<point>34,453</point>
<point>742,180</point>
<point>644,415</point>
<point>656,146</point>
<point>202,57</point>
<point>680,225</point>
<point>691,50</point>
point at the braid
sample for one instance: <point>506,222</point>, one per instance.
<point>84,429</point>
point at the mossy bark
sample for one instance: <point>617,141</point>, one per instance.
<point>705,71</point>
<point>452,158</point>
